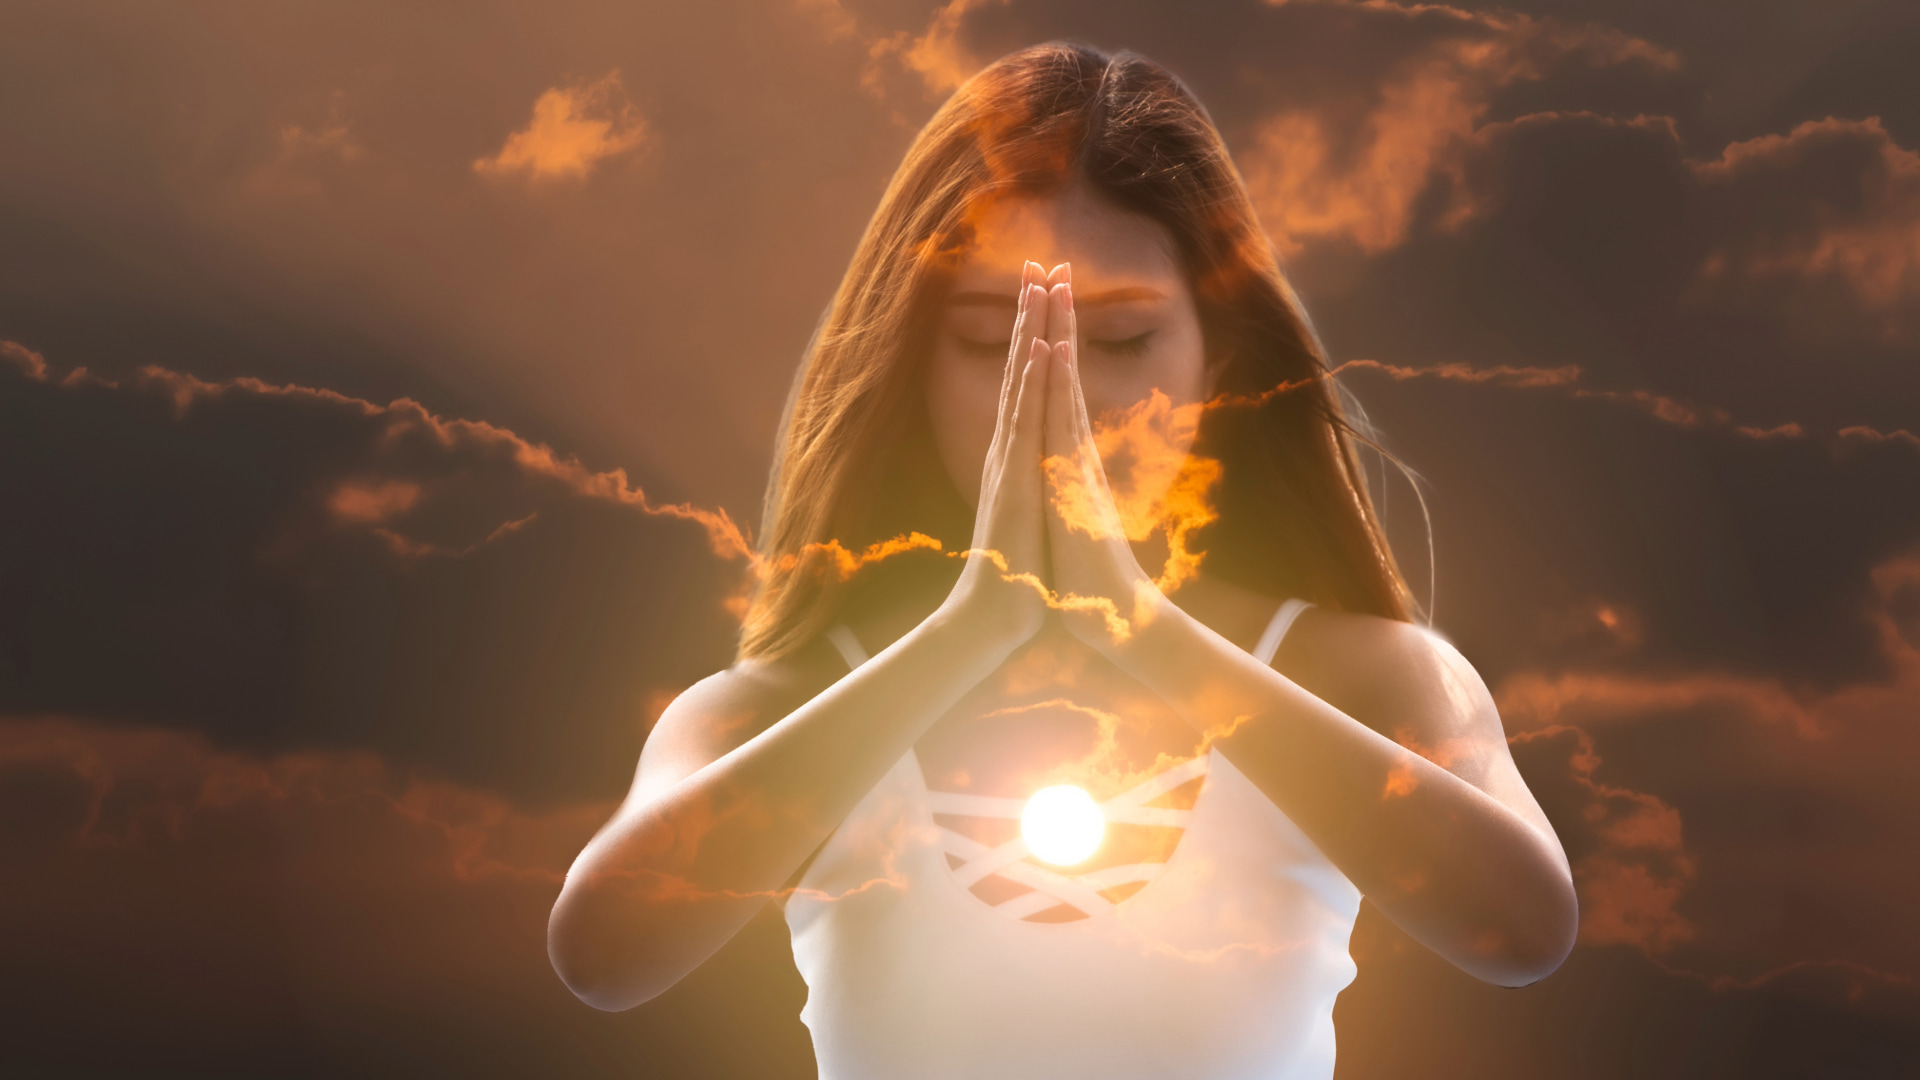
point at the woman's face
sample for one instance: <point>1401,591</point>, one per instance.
<point>1139,327</point>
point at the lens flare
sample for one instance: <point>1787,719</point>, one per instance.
<point>1062,825</point>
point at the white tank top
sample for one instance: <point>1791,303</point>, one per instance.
<point>1224,966</point>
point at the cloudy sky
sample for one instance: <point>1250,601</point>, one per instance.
<point>381,386</point>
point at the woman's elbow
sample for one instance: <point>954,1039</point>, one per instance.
<point>590,961</point>
<point>1540,942</point>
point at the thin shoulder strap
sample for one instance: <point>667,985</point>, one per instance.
<point>850,651</point>
<point>1277,629</point>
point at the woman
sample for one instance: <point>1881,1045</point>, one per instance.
<point>1145,713</point>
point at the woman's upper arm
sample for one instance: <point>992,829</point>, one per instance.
<point>1413,686</point>
<point>712,718</point>
<point>707,721</point>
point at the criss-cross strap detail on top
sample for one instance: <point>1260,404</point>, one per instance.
<point>1050,889</point>
<point>1082,891</point>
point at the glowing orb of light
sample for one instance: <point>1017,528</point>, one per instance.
<point>1062,825</point>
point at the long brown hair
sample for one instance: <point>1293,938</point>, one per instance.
<point>855,464</point>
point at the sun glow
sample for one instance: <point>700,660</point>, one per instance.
<point>1062,825</point>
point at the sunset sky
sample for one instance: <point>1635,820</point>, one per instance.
<point>386,392</point>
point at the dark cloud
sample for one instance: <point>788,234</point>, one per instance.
<point>1610,1012</point>
<point>374,923</point>
<point>1785,797</point>
<point>286,567</point>
<point>313,687</point>
<point>1825,220</point>
<point>177,909</point>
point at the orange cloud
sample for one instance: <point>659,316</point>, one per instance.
<point>398,421</point>
<point>1823,220</point>
<point>1875,437</point>
<point>933,58</point>
<point>409,548</point>
<point>333,140</point>
<point>1832,203</point>
<point>1354,173</point>
<point>1157,486</point>
<point>1636,867</point>
<point>1789,430</point>
<point>1537,700</point>
<point>1639,868</point>
<point>1594,624</point>
<point>1144,437</point>
<point>371,503</point>
<point>368,502</point>
<point>935,55</point>
<point>573,130</point>
<point>1565,379</point>
<point>154,786</point>
<point>31,363</point>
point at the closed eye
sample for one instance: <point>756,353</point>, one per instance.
<point>982,348</point>
<point>1132,346</point>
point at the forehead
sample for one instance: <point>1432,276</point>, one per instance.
<point>1105,243</point>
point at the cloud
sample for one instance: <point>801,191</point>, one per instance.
<point>30,363</point>
<point>933,61</point>
<point>935,54</point>
<point>274,565</point>
<point>573,130</point>
<point>1792,786</point>
<point>1833,205</point>
<point>281,913</point>
<point>1873,437</point>
<point>1821,222</point>
<point>402,422</point>
<point>1630,864</point>
<point>1613,1012</point>
<point>157,787</point>
<point>1541,701</point>
<point>1354,172</point>
<point>367,502</point>
<point>1565,380</point>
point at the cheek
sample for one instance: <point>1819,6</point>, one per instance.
<point>1115,387</point>
<point>1157,440</point>
<point>963,404</point>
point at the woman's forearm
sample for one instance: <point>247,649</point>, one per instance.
<point>674,876</point>
<point>1447,862</point>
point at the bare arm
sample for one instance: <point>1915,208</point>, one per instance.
<point>1447,841</point>
<point>734,790</point>
<point>1441,833</point>
<point>698,847</point>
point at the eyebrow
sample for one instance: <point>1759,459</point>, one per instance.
<point>1125,295</point>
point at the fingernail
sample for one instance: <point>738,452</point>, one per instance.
<point>1066,272</point>
<point>1066,296</point>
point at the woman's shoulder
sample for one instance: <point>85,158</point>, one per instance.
<point>1330,633</point>
<point>740,701</point>
<point>1364,664</point>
